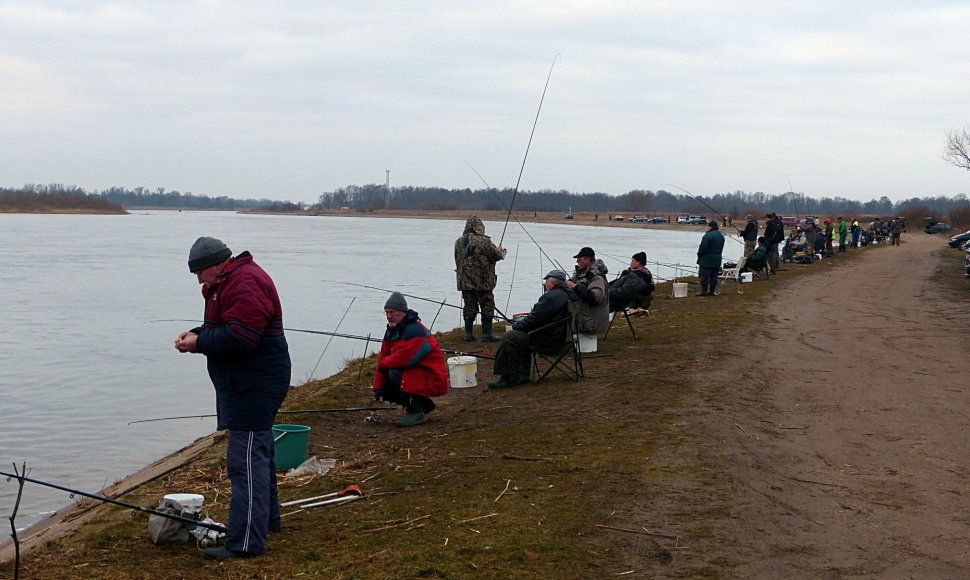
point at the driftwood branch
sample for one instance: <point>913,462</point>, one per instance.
<point>13,517</point>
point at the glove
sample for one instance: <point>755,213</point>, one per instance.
<point>378,395</point>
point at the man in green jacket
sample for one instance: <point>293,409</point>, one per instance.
<point>709,259</point>
<point>843,232</point>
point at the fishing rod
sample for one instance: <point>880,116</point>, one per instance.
<point>339,335</point>
<point>793,196</point>
<point>501,314</point>
<point>331,338</point>
<point>491,190</point>
<point>73,492</point>
<point>369,339</point>
<point>278,413</point>
<point>526,156</point>
<point>719,214</point>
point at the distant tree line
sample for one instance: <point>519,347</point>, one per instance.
<point>139,197</point>
<point>644,202</point>
<point>54,201</point>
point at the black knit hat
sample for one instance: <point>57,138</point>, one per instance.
<point>396,302</point>
<point>640,257</point>
<point>207,252</point>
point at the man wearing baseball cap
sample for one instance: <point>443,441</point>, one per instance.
<point>543,329</point>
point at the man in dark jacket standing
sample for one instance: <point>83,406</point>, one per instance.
<point>709,259</point>
<point>774,236</point>
<point>750,234</point>
<point>249,364</point>
<point>475,258</point>
<point>543,329</point>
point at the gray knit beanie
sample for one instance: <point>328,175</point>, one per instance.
<point>207,252</point>
<point>396,302</point>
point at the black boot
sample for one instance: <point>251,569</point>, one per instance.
<point>414,414</point>
<point>487,335</point>
<point>703,291</point>
<point>713,288</point>
<point>470,329</point>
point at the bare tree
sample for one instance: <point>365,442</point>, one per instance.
<point>956,149</point>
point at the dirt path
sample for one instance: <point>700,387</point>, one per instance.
<point>846,431</point>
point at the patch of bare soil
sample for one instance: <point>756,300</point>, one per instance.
<point>842,423</point>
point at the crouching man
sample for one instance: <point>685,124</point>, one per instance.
<point>410,367</point>
<point>543,329</point>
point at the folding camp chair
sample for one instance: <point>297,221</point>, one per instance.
<point>566,358</point>
<point>730,275</point>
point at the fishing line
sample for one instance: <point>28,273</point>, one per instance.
<point>491,190</point>
<point>369,339</point>
<point>512,281</point>
<point>435,314</point>
<point>501,315</point>
<point>331,338</point>
<point>348,410</point>
<point>526,156</point>
<point>719,214</point>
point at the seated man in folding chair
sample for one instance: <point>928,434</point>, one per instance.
<point>634,287</point>
<point>757,260</point>
<point>543,329</point>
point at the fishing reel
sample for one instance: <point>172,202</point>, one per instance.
<point>207,537</point>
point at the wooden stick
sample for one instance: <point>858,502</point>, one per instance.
<point>478,518</point>
<point>543,459</point>
<point>644,532</point>
<point>507,483</point>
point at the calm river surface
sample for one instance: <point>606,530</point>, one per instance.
<point>88,302</point>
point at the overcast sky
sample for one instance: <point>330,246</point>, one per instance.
<point>290,99</point>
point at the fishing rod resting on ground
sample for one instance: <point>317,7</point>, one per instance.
<point>278,413</point>
<point>526,156</point>
<point>215,527</point>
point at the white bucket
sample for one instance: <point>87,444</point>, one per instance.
<point>463,372</point>
<point>747,276</point>
<point>190,502</point>
<point>587,342</point>
<point>680,290</point>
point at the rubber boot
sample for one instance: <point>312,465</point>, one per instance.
<point>427,405</point>
<point>414,415</point>
<point>470,330</point>
<point>713,288</point>
<point>703,291</point>
<point>487,335</point>
<point>505,381</point>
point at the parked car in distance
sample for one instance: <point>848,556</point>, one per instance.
<point>617,218</point>
<point>696,220</point>
<point>790,221</point>
<point>568,216</point>
<point>658,220</point>
<point>683,219</point>
<point>638,218</point>
<point>957,240</point>
<point>937,228</point>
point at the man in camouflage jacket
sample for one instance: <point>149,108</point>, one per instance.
<point>475,258</point>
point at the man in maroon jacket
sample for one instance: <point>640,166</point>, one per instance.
<point>249,364</point>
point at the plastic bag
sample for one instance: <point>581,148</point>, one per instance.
<point>312,466</point>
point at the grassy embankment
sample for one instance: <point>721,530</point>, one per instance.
<point>559,479</point>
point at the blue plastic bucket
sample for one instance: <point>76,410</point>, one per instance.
<point>292,442</point>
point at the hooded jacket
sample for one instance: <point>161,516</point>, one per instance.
<point>246,352</point>
<point>475,258</point>
<point>594,298</point>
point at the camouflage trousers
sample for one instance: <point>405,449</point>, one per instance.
<point>476,300</point>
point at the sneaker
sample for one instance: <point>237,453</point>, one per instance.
<point>412,419</point>
<point>224,553</point>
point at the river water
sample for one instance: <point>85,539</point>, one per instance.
<point>90,308</point>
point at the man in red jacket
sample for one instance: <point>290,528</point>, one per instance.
<point>411,367</point>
